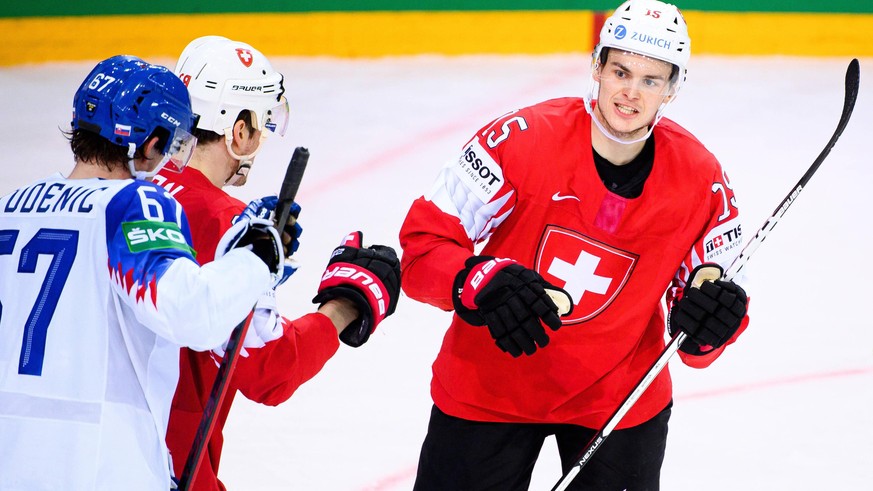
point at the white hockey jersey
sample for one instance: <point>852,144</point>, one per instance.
<point>98,289</point>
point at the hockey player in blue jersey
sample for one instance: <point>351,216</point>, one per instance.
<point>99,289</point>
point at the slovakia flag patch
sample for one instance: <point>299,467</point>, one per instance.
<point>122,130</point>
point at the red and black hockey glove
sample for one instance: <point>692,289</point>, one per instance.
<point>711,313</point>
<point>369,277</point>
<point>511,300</point>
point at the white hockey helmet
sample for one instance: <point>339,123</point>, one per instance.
<point>650,28</point>
<point>225,77</point>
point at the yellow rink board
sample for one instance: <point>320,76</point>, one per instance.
<point>375,34</point>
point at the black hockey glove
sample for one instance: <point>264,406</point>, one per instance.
<point>369,277</point>
<point>513,301</point>
<point>710,313</point>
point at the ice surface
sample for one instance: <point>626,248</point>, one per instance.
<point>787,407</point>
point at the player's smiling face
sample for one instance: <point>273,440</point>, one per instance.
<point>632,88</point>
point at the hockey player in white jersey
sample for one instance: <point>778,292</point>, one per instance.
<point>99,288</point>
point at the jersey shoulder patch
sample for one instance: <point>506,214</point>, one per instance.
<point>479,172</point>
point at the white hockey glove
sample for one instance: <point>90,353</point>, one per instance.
<point>290,232</point>
<point>258,235</point>
<point>266,326</point>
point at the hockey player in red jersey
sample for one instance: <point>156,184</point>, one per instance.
<point>585,211</point>
<point>279,355</point>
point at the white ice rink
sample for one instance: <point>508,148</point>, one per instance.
<point>786,408</point>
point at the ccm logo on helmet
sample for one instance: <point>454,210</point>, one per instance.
<point>171,120</point>
<point>361,278</point>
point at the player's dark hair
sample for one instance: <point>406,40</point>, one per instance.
<point>604,54</point>
<point>209,136</point>
<point>89,146</point>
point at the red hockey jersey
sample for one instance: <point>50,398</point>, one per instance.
<point>269,375</point>
<point>526,186</point>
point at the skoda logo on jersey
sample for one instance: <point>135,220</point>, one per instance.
<point>620,32</point>
<point>593,273</point>
<point>146,235</point>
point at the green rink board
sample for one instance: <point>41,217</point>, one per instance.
<point>57,8</point>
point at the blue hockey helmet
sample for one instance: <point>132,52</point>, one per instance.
<point>124,100</point>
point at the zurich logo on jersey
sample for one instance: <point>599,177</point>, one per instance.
<point>620,31</point>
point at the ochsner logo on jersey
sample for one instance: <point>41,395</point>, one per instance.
<point>480,172</point>
<point>147,235</point>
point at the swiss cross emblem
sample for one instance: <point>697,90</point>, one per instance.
<point>245,56</point>
<point>593,273</point>
<point>718,241</point>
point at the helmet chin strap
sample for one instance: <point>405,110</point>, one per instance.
<point>241,172</point>
<point>143,175</point>
<point>245,161</point>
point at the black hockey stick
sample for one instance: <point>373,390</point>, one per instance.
<point>852,82</point>
<point>290,185</point>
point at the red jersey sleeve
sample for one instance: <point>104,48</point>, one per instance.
<point>270,375</point>
<point>720,243</point>
<point>470,198</point>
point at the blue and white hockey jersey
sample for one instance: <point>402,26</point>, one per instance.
<point>98,289</point>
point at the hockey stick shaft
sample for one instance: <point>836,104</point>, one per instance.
<point>290,185</point>
<point>851,94</point>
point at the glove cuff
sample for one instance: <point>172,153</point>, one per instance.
<point>364,283</point>
<point>689,346</point>
<point>470,314</point>
<point>481,272</point>
<point>358,331</point>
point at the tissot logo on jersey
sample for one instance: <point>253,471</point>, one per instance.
<point>148,235</point>
<point>593,273</point>
<point>480,168</point>
<point>722,239</point>
<point>480,172</point>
